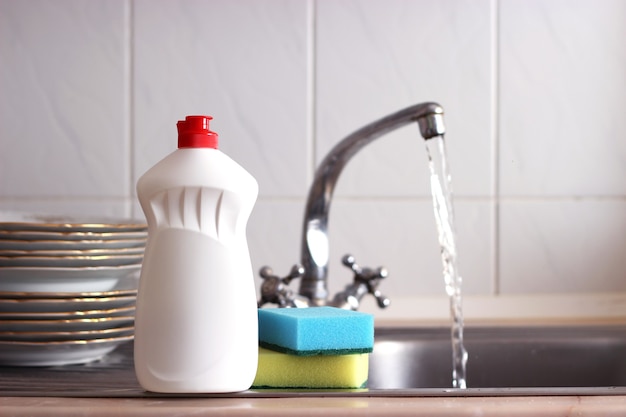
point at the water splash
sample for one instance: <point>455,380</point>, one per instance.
<point>441,187</point>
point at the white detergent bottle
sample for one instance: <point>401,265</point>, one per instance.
<point>196,324</point>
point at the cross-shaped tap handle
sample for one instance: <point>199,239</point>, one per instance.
<point>275,289</point>
<point>369,277</point>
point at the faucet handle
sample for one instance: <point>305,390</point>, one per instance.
<point>368,277</point>
<point>275,289</point>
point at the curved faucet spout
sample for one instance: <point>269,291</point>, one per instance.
<point>315,247</point>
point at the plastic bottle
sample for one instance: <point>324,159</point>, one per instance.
<point>196,324</point>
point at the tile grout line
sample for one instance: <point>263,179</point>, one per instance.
<point>495,144</point>
<point>461,198</point>
<point>311,81</point>
<point>129,105</point>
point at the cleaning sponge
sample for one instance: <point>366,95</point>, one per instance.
<point>316,331</point>
<point>280,370</point>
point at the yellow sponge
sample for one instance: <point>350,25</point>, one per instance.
<point>281,370</point>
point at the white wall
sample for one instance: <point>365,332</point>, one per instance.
<point>534,93</point>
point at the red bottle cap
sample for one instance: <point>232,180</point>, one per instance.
<point>193,132</point>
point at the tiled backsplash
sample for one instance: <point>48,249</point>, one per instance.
<point>534,93</point>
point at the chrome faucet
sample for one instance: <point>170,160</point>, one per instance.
<point>313,270</point>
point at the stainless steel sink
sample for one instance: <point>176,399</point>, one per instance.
<point>406,362</point>
<point>501,357</point>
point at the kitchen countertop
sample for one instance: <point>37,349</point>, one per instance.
<point>314,406</point>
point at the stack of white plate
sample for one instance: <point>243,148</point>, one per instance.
<point>67,287</point>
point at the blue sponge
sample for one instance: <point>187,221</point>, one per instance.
<point>316,331</point>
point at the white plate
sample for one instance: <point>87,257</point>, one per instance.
<point>69,261</point>
<point>30,245</point>
<point>66,315</point>
<point>129,288</point>
<point>58,305</point>
<point>69,236</point>
<point>65,336</point>
<point>96,279</point>
<point>70,252</point>
<point>74,325</point>
<point>11,220</point>
<point>57,353</point>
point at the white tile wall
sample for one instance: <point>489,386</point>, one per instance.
<point>562,160</point>
<point>245,63</point>
<point>63,112</point>
<point>534,93</point>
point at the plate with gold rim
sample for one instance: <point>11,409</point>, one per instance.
<point>69,261</point>
<point>66,315</point>
<point>71,352</point>
<point>66,336</point>
<point>127,287</point>
<point>14,220</point>
<point>29,235</point>
<point>74,252</point>
<point>73,325</point>
<point>65,304</point>
<point>13,244</point>
<point>83,279</point>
